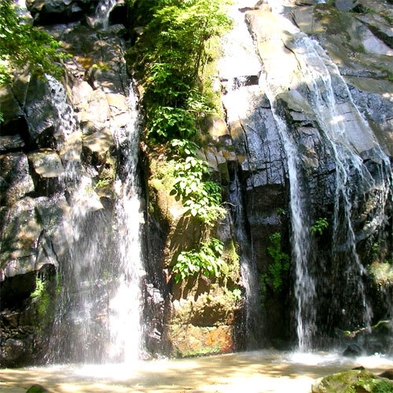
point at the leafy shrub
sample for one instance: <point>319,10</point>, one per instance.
<point>168,58</point>
<point>184,147</point>
<point>201,198</point>
<point>166,121</point>
<point>206,261</point>
<point>22,44</point>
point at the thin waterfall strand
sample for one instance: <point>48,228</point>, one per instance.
<point>300,238</point>
<point>101,17</point>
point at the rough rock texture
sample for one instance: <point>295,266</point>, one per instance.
<point>352,381</point>
<point>60,11</point>
<point>290,107</point>
<point>58,165</point>
<point>62,161</point>
<point>202,316</point>
<point>301,141</point>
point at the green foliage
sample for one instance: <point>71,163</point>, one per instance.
<point>280,262</point>
<point>281,212</point>
<point>166,121</point>
<point>184,147</point>
<point>319,226</point>
<point>168,58</point>
<point>41,298</point>
<point>200,197</point>
<point>382,386</point>
<point>237,294</point>
<point>206,261</point>
<point>39,289</point>
<point>22,44</point>
<point>102,183</point>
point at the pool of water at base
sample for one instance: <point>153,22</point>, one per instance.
<point>254,372</point>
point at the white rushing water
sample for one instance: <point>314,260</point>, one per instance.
<point>256,372</point>
<point>344,132</point>
<point>125,306</point>
<point>101,17</point>
<point>348,135</point>
<point>300,239</point>
<point>240,59</point>
<point>99,316</point>
<point>345,140</point>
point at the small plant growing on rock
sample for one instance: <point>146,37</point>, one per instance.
<point>205,261</point>
<point>280,261</point>
<point>319,226</point>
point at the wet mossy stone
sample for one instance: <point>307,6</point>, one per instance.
<point>37,389</point>
<point>353,381</point>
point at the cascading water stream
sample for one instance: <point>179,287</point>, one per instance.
<point>300,222</point>
<point>101,18</point>
<point>250,279</point>
<point>98,318</point>
<point>348,135</point>
<point>79,275</point>
<point>125,307</point>
<point>318,75</point>
<point>300,239</point>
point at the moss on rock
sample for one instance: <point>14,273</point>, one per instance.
<point>353,381</point>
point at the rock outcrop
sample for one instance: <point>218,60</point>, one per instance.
<point>353,380</point>
<point>59,159</point>
<point>308,133</point>
<point>308,100</point>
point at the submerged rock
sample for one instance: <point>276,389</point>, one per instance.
<point>352,350</point>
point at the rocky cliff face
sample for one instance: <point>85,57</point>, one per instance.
<point>64,165</point>
<point>301,107</point>
<point>61,147</point>
<point>304,158</point>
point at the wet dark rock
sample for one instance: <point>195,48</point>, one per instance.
<point>11,143</point>
<point>47,12</point>
<point>352,350</point>
<point>50,140</point>
<point>15,349</point>
<point>14,291</point>
<point>387,374</point>
<point>16,181</point>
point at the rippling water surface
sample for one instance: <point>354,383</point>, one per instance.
<point>251,372</point>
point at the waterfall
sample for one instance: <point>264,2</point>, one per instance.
<point>125,306</point>
<point>347,135</point>
<point>103,10</point>
<point>318,70</point>
<point>77,325</point>
<point>98,318</point>
<point>249,274</point>
<point>305,76</point>
<point>300,239</point>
